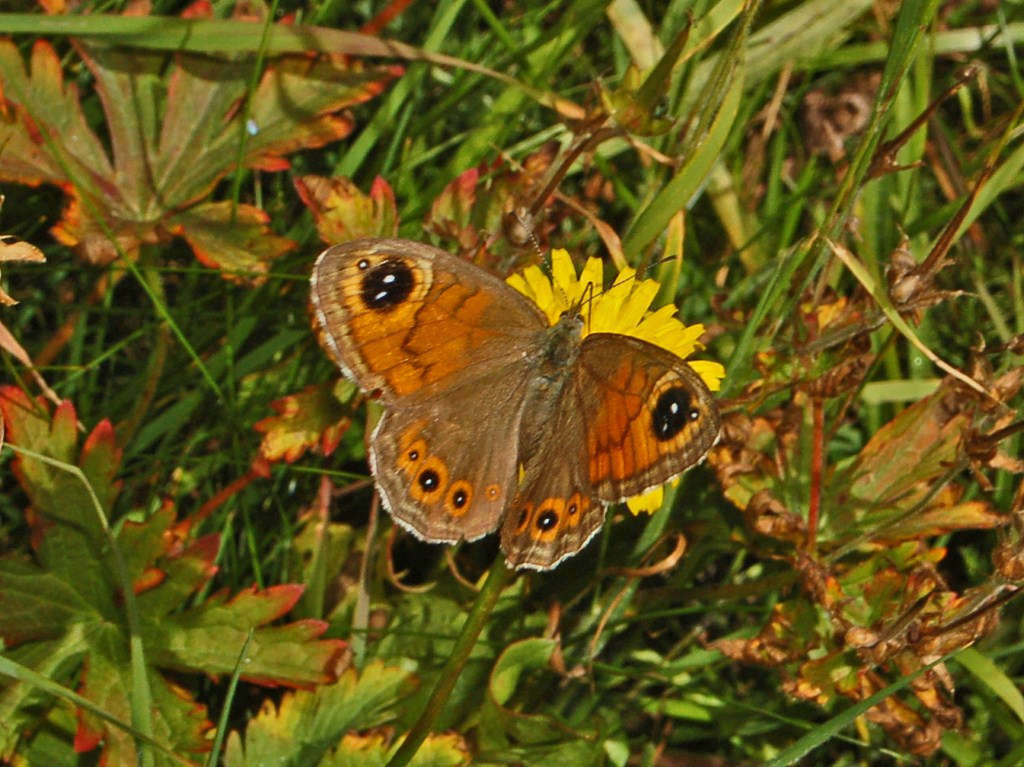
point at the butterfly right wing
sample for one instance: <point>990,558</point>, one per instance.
<point>631,417</point>
<point>449,348</point>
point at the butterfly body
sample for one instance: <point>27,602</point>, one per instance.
<point>492,416</point>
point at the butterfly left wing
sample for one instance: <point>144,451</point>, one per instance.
<point>446,465</point>
<point>631,417</point>
<point>647,416</point>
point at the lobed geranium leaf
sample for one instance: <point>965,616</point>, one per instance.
<point>342,212</point>
<point>174,131</point>
<point>235,239</point>
<point>473,208</point>
<point>38,107</point>
<point>211,637</point>
<point>304,727</point>
<point>62,615</point>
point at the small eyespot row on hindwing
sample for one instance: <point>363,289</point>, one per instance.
<point>430,480</point>
<point>574,509</point>
<point>524,517</point>
<point>548,519</point>
<point>428,475</point>
<point>458,498</point>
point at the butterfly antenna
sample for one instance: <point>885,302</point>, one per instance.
<point>586,299</point>
<point>644,272</point>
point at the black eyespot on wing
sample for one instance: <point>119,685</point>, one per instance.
<point>547,519</point>
<point>672,412</point>
<point>386,285</point>
<point>429,480</point>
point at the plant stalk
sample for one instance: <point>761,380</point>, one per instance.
<point>498,577</point>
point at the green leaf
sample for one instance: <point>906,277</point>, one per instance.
<point>62,612</point>
<point>302,729</point>
<point>517,658</point>
<point>988,673</point>
<point>677,193</point>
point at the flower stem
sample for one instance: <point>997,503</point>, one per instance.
<point>497,579</point>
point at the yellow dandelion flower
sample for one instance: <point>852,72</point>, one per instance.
<point>622,308</point>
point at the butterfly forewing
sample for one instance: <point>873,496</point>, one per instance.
<point>406,319</point>
<point>648,417</point>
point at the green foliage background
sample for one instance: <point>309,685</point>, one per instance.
<point>590,664</point>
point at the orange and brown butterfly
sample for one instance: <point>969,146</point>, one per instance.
<point>528,404</point>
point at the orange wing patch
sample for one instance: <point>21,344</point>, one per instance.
<point>423,338</point>
<point>621,442</point>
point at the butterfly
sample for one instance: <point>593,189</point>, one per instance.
<point>495,417</point>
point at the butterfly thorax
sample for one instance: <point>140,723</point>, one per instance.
<point>554,365</point>
<point>560,348</point>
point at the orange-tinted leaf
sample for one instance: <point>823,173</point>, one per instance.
<point>308,419</point>
<point>945,514</point>
<point>305,726</point>
<point>242,246</point>
<point>918,445</point>
<point>343,213</point>
<point>170,147</point>
<point>373,750</point>
<point>78,230</point>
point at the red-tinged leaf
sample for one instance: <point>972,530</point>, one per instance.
<point>474,206</point>
<point>37,104</point>
<point>305,726</point>
<point>178,721</point>
<point>67,530</point>
<point>311,418</point>
<point>211,636</point>
<point>174,132</point>
<point>342,213</point>
<point>298,104</point>
<point>63,615</point>
<point>242,246</point>
<point>186,571</point>
<point>452,211</point>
